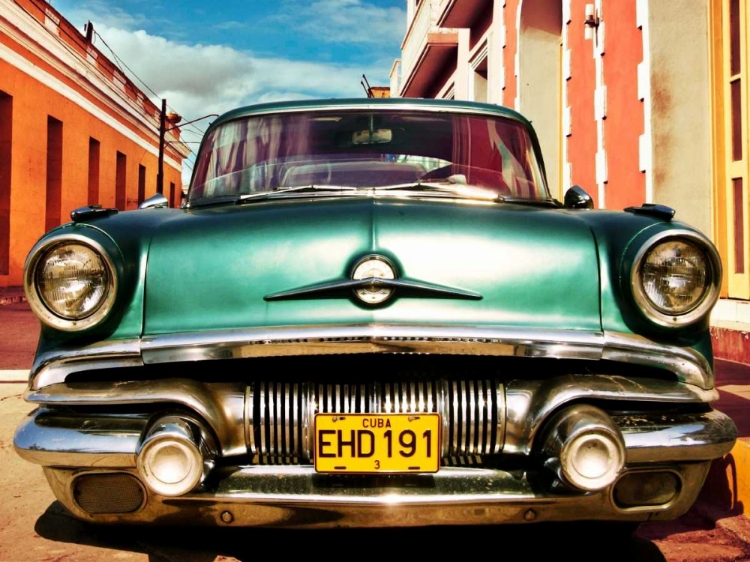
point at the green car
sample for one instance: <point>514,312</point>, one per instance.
<point>373,313</point>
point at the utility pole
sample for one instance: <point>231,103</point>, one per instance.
<point>162,132</point>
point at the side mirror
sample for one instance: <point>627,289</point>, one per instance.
<point>158,200</point>
<point>577,198</point>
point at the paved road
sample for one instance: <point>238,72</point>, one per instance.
<point>33,527</point>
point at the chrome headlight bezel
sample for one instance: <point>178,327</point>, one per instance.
<point>713,280</point>
<point>38,306</point>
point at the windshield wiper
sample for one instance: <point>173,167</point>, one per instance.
<point>468,191</point>
<point>260,196</point>
<point>446,186</point>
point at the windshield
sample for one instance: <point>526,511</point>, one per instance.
<point>366,149</point>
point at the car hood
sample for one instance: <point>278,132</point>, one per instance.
<point>212,269</point>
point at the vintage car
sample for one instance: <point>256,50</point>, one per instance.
<point>373,313</point>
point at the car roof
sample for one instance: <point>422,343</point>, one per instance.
<point>370,103</point>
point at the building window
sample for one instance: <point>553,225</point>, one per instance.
<point>731,75</point>
<point>6,150</point>
<point>120,181</point>
<point>479,79</point>
<point>141,183</point>
<point>172,200</point>
<point>54,173</point>
<point>94,147</point>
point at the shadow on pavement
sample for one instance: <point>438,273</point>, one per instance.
<point>584,542</point>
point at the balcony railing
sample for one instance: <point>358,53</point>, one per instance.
<point>416,35</point>
<point>422,34</point>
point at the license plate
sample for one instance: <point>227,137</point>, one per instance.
<point>374,443</point>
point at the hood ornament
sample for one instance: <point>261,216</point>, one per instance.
<point>372,269</point>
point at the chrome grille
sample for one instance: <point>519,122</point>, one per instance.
<point>279,416</point>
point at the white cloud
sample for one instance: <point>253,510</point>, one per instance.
<point>345,21</point>
<point>200,79</point>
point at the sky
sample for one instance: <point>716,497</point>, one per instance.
<point>210,57</point>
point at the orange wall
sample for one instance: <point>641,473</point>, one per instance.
<point>33,102</point>
<point>582,141</point>
<point>626,184</point>
<point>510,17</point>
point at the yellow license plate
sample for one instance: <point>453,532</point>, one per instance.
<point>373,443</point>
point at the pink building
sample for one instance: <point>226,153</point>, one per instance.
<point>634,100</point>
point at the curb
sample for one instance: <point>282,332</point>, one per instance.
<point>14,375</point>
<point>727,487</point>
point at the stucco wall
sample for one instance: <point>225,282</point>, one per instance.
<point>680,108</point>
<point>539,78</point>
<point>33,102</point>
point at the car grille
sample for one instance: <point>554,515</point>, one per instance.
<point>279,417</point>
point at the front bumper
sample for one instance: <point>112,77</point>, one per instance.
<point>296,496</point>
<point>89,428</point>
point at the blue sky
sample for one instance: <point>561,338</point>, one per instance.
<point>210,57</point>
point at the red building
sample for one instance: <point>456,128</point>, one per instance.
<point>634,100</point>
<point>74,131</point>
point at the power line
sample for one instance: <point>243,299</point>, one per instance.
<point>119,61</point>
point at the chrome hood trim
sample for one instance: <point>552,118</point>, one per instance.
<point>350,284</point>
<point>686,363</point>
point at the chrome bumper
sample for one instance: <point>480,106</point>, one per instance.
<point>73,447</point>
<point>295,497</point>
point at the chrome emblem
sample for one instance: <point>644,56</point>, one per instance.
<point>373,268</point>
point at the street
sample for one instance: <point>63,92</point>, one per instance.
<point>34,527</point>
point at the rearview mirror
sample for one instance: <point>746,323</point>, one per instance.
<point>378,136</point>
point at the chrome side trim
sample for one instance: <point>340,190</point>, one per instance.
<point>54,366</point>
<point>220,405</point>
<point>689,365</point>
<point>530,402</point>
<point>54,439</point>
<point>687,437</point>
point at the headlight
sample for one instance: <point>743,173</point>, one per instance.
<point>70,282</point>
<point>676,278</point>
